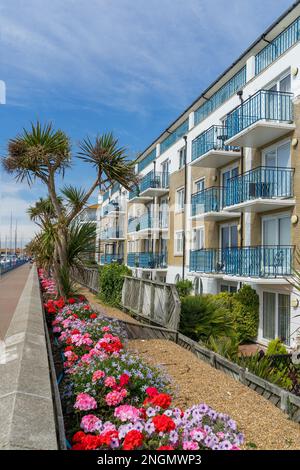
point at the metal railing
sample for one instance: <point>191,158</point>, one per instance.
<point>207,200</point>
<point>249,261</point>
<point>113,206</point>
<point>154,180</point>
<point>147,260</point>
<point>147,222</point>
<point>264,105</point>
<point>211,139</point>
<point>109,258</point>
<point>113,232</point>
<point>261,182</point>
<point>278,46</point>
<point>147,160</point>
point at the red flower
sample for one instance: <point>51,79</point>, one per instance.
<point>71,300</point>
<point>81,298</point>
<point>75,332</point>
<point>162,399</point>
<point>124,379</point>
<point>133,440</point>
<point>163,423</point>
<point>165,448</point>
<point>106,438</point>
<point>151,391</point>
<point>69,348</point>
<point>78,436</point>
<point>93,316</point>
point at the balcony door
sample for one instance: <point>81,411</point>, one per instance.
<point>165,174</point>
<point>228,244</point>
<point>276,316</point>
<point>278,105</point>
<point>276,176</point>
<point>229,187</point>
<point>276,250</point>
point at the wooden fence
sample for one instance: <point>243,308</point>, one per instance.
<point>88,277</point>
<point>156,302</point>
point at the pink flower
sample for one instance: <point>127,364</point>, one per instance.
<point>190,445</point>
<point>127,413</point>
<point>90,423</point>
<point>105,328</point>
<point>85,402</point>
<point>97,375</point>
<point>114,398</point>
<point>110,382</point>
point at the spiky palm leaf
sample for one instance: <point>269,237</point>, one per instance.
<point>109,159</point>
<point>75,197</point>
<point>81,242</point>
<point>36,152</point>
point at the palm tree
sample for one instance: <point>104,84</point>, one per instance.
<point>43,153</point>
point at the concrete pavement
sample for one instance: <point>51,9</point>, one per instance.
<point>11,287</point>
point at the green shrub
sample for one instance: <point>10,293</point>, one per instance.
<point>224,300</point>
<point>225,346</point>
<point>276,347</point>
<point>111,278</point>
<point>201,319</point>
<point>245,313</point>
<point>184,288</point>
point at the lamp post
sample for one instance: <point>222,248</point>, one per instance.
<point>184,213</point>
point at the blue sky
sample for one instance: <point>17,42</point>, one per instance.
<point>121,65</point>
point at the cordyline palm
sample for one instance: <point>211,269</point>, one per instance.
<point>43,153</point>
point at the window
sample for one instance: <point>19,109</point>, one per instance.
<point>180,199</point>
<point>179,243</point>
<point>199,185</point>
<point>198,238</point>
<point>228,288</point>
<point>182,155</point>
<point>276,316</point>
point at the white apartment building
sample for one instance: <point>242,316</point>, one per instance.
<point>219,192</point>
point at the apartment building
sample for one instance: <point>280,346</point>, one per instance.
<point>219,192</point>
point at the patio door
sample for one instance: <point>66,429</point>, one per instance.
<point>276,316</point>
<point>165,174</point>
<point>230,187</point>
<point>229,253</point>
<point>278,105</point>
<point>276,250</point>
<point>277,178</point>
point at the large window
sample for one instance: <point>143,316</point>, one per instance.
<point>182,156</point>
<point>276,316</point>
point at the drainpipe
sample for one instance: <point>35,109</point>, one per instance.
<point>184,212</point>
<point>240,95</point>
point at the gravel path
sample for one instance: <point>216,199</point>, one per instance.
<point>264,425</point>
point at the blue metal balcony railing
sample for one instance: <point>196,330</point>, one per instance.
<point>146,221</point>
<point>113,206</point>
<point>257,261</point>
<point>278,46</point>
<point>211,139</point>
<point>133,225</point>
<point>113,232</point>
<point>147,160</point>
<point>264,105</point>
<point>223,94</point>
<point>134,192</point>
<point>147,260</point>
<point>154,179</point>
<point>207,200</point>
<point>174,136</point>
<point>261,182</point>
<point>109,258</point>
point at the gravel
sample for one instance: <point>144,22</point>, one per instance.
<point>265,426</point>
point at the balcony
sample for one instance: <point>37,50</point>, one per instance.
<point>147,260</point>
<point>109,258</point>
<point>262,118</point>
<point>145,223</point>
<point>245,262</point>
<point>112,233</point>
<point>260,189</point>
<point>208,205</point>
<point>210,151</point>
<point>153,184</point>
<point>113,208</point>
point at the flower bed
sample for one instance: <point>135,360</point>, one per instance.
<point>112,399</point>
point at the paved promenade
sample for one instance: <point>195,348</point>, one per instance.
<point>11,287</point>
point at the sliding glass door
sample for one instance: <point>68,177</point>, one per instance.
<point>276,316</point>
